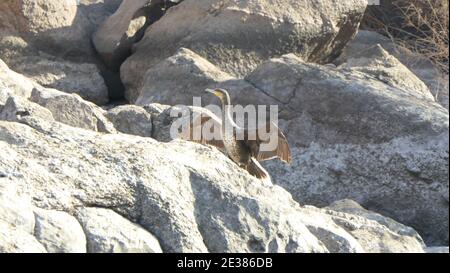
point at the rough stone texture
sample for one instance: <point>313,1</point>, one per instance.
<point>17,108</point>
<point>192,197</point>
<point>16,220</point>
<point>424,70</point>
<point>52,25</point>
<point>356,137</point>
<point>375,232</point>
<point>59,232</point>
<point>49,41</point>
<point>194,74</point>
<point>130,119</point>
<point>108,232</point>
<point>238,35</point>
<point>13,84</point>
<point>116,35</point>
<point>379,63</point>
<point>83,79</point>
<point>440,249</point>
<point>71,109</point>
<point>18,241</point>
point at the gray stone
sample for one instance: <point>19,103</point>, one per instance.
<point>72,110</point>
<point>18,108</point>
<point>108,232</point>
<point>59,232</point>
<point>83,79</point>
<point>237,36</point>
<point>367,226</point>
<point>426,71</point>
<point>130,119</point>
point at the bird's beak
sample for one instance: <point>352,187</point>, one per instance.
<point>212,91</point>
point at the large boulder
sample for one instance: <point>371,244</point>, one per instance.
<point>53,26</point>
<point>194,74</point>
<point>353,136</point>
<point>49,41</point>
<point>115,37</point>
<point>425,70</point>
<point>59,232</point>
<point>191,197</point>
<point>238,35</point>
<point>72,110</point>
<point>131,119</point>
<point>108,232</point>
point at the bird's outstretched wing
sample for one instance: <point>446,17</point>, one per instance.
<point>201,127</point>
<point>268,142</point>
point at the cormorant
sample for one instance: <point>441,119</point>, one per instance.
<point>246,152</point>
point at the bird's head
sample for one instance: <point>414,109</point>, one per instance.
<point>222,94</point>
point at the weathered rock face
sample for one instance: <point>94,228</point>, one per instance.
<point>117,34</point>
<point>72,110</point>
<point>379,63</point>
<point>191,197</point>
<point>108,232</point>
<point>194,74</point>
<point>59,232</point>
<point>423,69</point>
<point>359,138</point>
<point>49,41</point>
<point>339,121</point>
<point>238,35</point>
<point>130,119</point>
<point>366,226</point>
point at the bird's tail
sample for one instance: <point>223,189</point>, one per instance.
<point>255,169</point>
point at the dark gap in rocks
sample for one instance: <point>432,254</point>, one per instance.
<point>116,88</point>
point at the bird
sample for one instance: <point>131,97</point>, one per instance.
<point>245,151</point>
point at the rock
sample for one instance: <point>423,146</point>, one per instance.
<point>83,79</point>
<point>193,198</point>
<point>130,119</point>
<point>16,218</point>
<point>108,232</point>
<point>72,110</point>
<point>59,232</point>
<point>13,84</point>
<point>423,69</point>
<point>366,227</point>
<point>49,42</point>
<point>194,74</point>
<point>340,122</point>
<point>379,63</point>
<point>237,36</point>
<point>443,249</point>
<point>17,108</point>
<point>117,34</point>
<point>52,26</point>
<point>18,241</point>
<point>15,208</point>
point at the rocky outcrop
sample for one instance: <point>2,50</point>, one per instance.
<point>108,232</point>
<point>72,110</point>
<point>49,41</point>
<point>191,197</point>
<point>59,232</point>
<point>215,30</point>
<point>423,69</point>
<point>339,121</point>
<point>350,121</point>
<point>130,119</point>
<point>194,74</point>
<point>115,37</point>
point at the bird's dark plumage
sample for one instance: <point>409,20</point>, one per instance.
<point>246,152</point>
